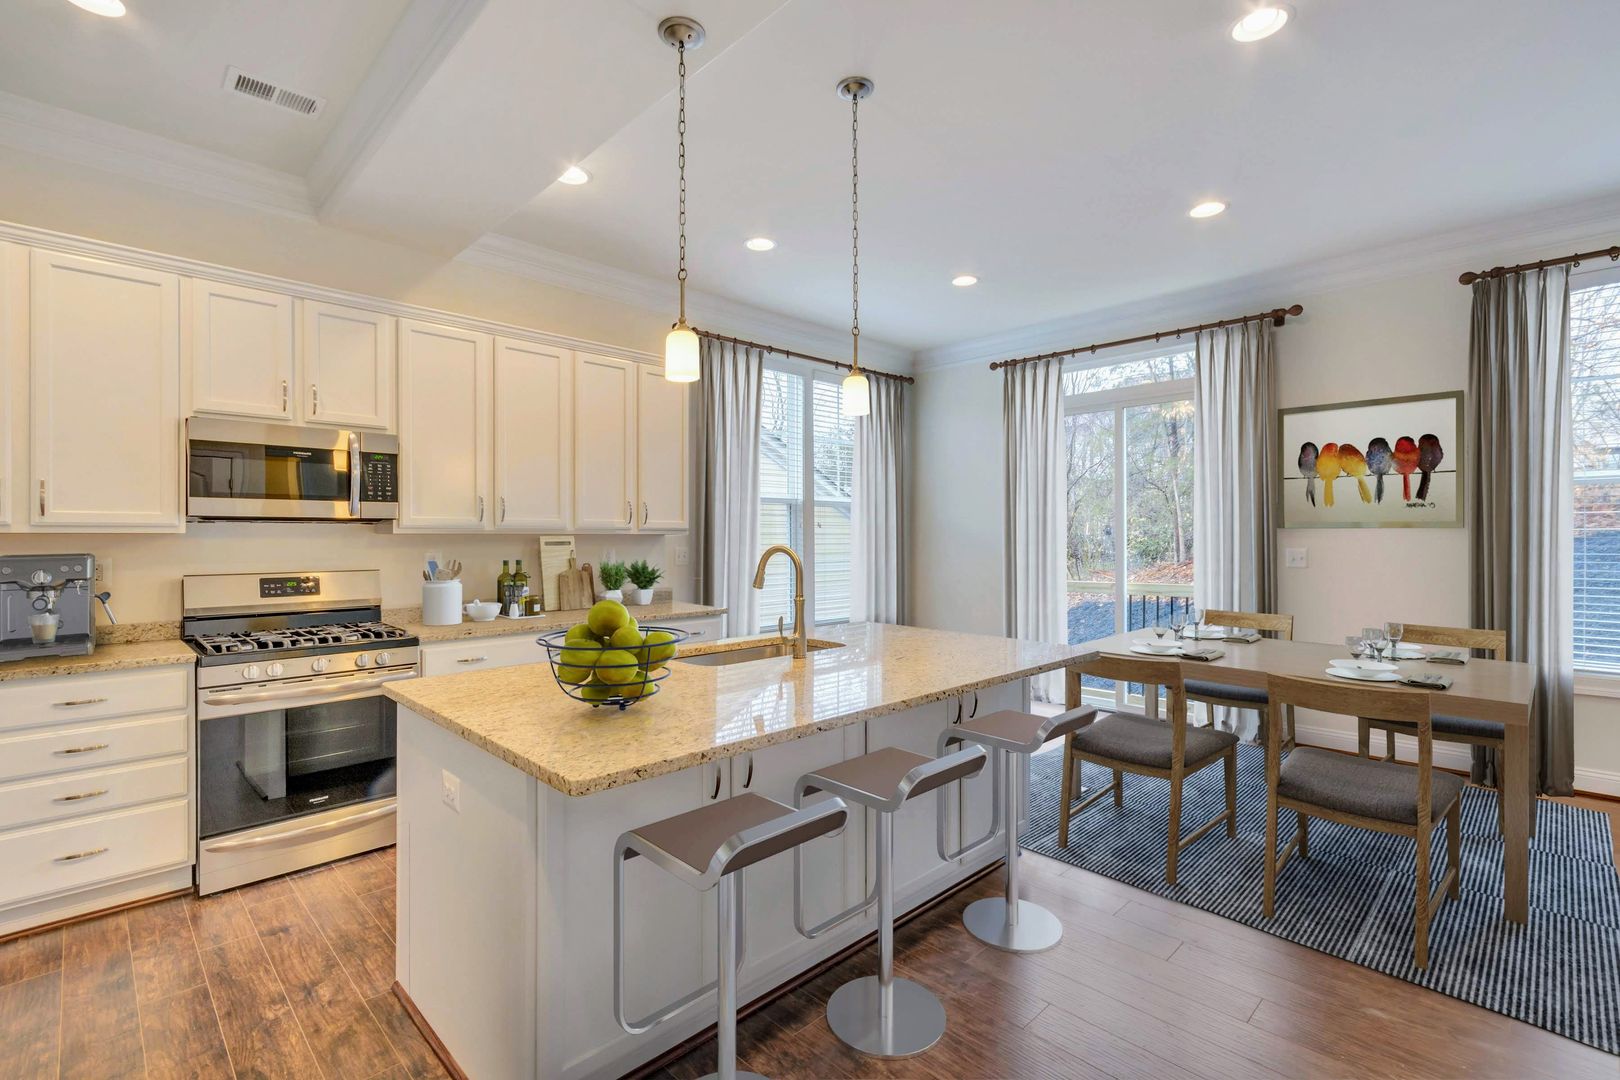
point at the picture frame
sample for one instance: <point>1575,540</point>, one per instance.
<point>1405,469</point>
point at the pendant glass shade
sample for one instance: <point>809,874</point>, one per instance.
<point>681,355</point>
<point>856,399</point>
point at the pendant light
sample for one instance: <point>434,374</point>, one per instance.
<point>681,346</point>
<point>856,396</point>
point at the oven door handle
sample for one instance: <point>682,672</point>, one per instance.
<point>325,689</point>
<point>307,830</point>
<point>354,474</point>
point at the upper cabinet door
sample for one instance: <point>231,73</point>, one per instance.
<point>444,425</point>
<point>534,435</point>
<point>13,371</point>
<point>241,351</point>
<point>605,444</point>
<point>104,394</point>
<point>663,453</point>
<point>348,367</point>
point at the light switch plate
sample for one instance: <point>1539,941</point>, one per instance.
<point>683,555</point>
<point>1295,557</point>
<point>452,790</point>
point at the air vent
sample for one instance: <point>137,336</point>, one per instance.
<point>240,82</point>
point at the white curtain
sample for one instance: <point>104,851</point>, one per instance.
<point>1234,465</point>
<point>728,480</point>
<point>878,543</point>
<point>1036,589</point>
<point>1520,501</point>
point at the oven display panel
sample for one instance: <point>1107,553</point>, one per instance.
<point>307,585</point>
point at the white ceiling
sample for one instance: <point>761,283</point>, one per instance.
<point>1051,147</point>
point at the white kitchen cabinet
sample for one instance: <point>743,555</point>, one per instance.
<point>917,864</point>
<point>104,403</point>
<point>13,369</point>
<point>604,444</point>
<point>348,366</point>
<point>534,436</point>
<point>703,628</point>
<point>444,427</point>
<point>482,653</point>
<point>241,351</point>
<point>663,451</point>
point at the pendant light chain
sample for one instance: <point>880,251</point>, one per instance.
<point>680,161</point>
<point>855,228</point>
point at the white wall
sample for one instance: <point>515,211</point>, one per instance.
<point>1406,335</point>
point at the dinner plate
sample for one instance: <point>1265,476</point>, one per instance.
<point>1153,650</point>
<point>1356,675</point>
<point>1154,644</point>
<point>1410,652</point>
<point>1363,665</point>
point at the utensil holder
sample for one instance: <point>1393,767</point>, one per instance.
<point>441,603</point>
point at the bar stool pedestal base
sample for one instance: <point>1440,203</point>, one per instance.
<point>917,1023</point>
<point>1035,931</point>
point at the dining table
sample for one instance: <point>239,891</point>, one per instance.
<point>1500,691</point>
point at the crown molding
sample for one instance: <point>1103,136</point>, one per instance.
<point>1453,251</point>
<point>38,128</point>
<point>721,314</point>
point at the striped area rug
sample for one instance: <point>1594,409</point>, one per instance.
<point>1353,897</point>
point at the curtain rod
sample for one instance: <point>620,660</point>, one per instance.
<point>1502,271</point>
<point>1276,315</point>
<point>802,356</point>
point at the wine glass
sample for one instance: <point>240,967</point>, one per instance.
<point>1178,622</point>
<point>1394,631</point>
<point>1357,645</point>
<point>1374,636</point>
<point>1159,630</point>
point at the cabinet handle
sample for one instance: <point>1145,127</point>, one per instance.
<point>715,794</point>
<point>975,711</point>
<point>958,719</point>
<point>629,512</point>
<point>79,701</point>
<point>480,508</point>
<point>644,513</point>
<point>750,779</point>
<point>472,659</point>
<point>80,795</point>
<point>42,498</point>
<point>503,509</point>
<point>80,855</point>
<point>283,395</point>
<point>314,400</point>
<point>83,749</point>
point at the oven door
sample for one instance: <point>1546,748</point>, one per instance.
<point>272,754</point>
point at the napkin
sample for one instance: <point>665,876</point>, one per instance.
<point>1248,637</point>
<point>1202,652</point>
<point>1448,656</point>
<point>1428,682</point>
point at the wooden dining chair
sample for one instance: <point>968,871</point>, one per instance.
<point>1451,729</point>
<point>1384,796</point>
<point>1131,743</point>
<point>1243,697</point>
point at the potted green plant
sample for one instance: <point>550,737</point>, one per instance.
<point>643,576</point>
<point>612,575</point>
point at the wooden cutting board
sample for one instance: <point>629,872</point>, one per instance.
<point>576,586</point>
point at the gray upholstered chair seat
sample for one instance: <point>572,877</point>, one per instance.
<point>1140,741</point>
<point>1382,790</point>
<point>1457,725</point>
<point>1198,688</point>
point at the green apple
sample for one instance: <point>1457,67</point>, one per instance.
<point>662,648</point>
<point>636,687</point>
<point>607,616</point>
<point>616,666</point>
<point>576,666</point>
<point>581,632</point>
<point>598,692</point>
<point>627,637</point>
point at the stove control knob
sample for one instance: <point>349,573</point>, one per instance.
<point>362,661</point>
<point>382,659</point>
<point>251,671</point>
<point>274,671</point>
<point>319,664</point>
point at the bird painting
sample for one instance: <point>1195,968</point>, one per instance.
<point>1353,464</point>
<point>1430,455</point>
<point>1406,463</point>
<point>1327,467</point>
<point>1379,460</point>
<point>1307,469</point>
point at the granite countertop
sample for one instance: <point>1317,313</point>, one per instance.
<point>410,619</point>
<point>119,656</point>
<point>521,716</point>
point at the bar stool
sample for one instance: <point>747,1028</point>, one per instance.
<point>706,848</point>
<point>881,1015</point>
<point>1008,923</point>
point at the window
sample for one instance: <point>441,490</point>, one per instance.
<point>806,473</point>
<point>1128,433</point>
<point>1594,382</point>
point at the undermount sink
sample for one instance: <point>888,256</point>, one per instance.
<point>743,654</point>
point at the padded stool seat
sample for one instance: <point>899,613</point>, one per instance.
<point>1021,733</point>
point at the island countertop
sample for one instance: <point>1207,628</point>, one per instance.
<point>702,713</point>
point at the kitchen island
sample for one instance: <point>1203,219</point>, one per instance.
<point>511,796</point>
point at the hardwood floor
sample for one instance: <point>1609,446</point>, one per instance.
<point>291,978</point>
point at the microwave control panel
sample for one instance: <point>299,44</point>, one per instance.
<point>304,585</point>
<point>379,477</point>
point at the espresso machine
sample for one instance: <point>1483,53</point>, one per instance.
<point>45,606</point>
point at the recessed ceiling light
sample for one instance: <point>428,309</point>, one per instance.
<point>962,281</point>
<point>572,175</point>
<point>760,243</point>
<point>1207,209</point>
<point>111,8</point>
<point>1261,23</point>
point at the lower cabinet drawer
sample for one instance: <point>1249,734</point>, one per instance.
<point>78,699</point>
<point>481,654</point>
<point>56,750</point>
<point>77,854</point>
<point>92,791</point>
<point>704,628</point>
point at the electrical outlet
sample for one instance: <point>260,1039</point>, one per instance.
<point>101,571</point>
<point>452,790</point>
<point>683,555</point>
<point>1295,557</point>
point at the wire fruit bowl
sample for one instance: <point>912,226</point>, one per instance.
<point>580,670</point>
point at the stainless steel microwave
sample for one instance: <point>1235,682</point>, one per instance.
<point>278,472</point>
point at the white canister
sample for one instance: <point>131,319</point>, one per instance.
<point>441,603</point>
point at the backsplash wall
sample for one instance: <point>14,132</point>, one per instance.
<point>143,571</point>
